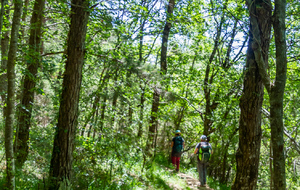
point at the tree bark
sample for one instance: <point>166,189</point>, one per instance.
<point>153,122</point>
<point>10,101</point>
<point>141,117</point>
<point>277,95</point>
<point>210,104</point>
<point>163,71</point>
<point>271,168</point>
<point>276,90</point>
<point>33,62</point>
<point>165,38</point>
<point>4,51</point>
<point>95,107</point>
<point>248,153</point>
<point>61,161</point>
<point>103,108</point>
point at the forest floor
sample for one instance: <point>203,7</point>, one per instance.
<point>191,182</point>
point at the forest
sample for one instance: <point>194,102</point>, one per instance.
<point>92,92</point>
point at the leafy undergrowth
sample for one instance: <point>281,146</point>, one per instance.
<point>97,170</point>
<point>155,177</point>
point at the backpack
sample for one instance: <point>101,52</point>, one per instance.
<point>177,144</point>
<point>204,154</point>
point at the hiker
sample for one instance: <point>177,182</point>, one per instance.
<point>177,147</point>
<point>203,151</point>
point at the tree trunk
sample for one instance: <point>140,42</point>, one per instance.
<point>271,168</point>
<point>208,81</point>
<point>141,116</point>
<point>223,176</point>
<point>210,104</point>
<point>10,102</point>
<point>24,16</point>
<point>91,117</point>
<point>33,62</point>
<point>61,161</point>
<point>4,52</point>
<point>165,38</point>
<point>248,153</point>
<point>103,107</point>
<point>163,69</point>
<point>114,103</point>
<point>140,130</point>
<point>153,122</point>
<point>277,95</point>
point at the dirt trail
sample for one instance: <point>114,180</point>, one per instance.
<point>192,182</point>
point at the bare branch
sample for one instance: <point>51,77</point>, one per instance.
<point>285,131</point>
<point>191,104</point>
<point>53,53</point>
<point>296,145</point>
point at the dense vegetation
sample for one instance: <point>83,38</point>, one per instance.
<point>93,91</point>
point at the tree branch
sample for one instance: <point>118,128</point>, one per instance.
<point>262,68</point>
<point>296,145</point>
<point>190,104</point>
<point>285,131</point>
<point>53,53</point>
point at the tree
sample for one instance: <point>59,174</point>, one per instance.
<point>276,91</point>
<point>10,101</point>
<point>163,70</point>
<point>247,156</point>
<point>4,49</point>
<point>33,62</point>
<point>61,161</point>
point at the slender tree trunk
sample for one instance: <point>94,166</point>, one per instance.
<point>277,95</point>
<point>140,131</point>
<point>223,177</point>
<point>4,52</point>
<point>248,153</point>
<point>210,103</point>
<point>141,116</point>
<point>2,14</point>
<point>271,168</point>
<point>165,38</point>
<point>10,102</point>
<point>208,80</point>
<point>33,62</point>
<point>103,107</point>
<point>96,101</point>
<point>179,117</point>
<point>163,68</point>
<point>153,122</point>
<point>24,16</point>
<point>114,103</point>
<point>61,161</point>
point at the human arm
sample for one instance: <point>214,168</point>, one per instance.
<point>211,150</point>
<point>196,150</point>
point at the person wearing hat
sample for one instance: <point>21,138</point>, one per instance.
<point>203,150</point>
<point>177,148</point>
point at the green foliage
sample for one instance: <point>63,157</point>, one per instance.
<point>117,93</point>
